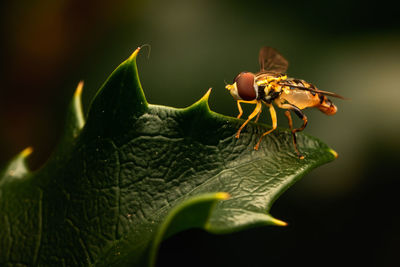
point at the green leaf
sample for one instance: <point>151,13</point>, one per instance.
<point>134,174</point>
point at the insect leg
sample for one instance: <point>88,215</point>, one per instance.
<point>258,115</point>
<point>287,114</point>
<point>274,125</point>
<point>252,115</point>
<point>301,115</point>
<point>240,107</point>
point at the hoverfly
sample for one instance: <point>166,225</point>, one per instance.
<point>270,85</point>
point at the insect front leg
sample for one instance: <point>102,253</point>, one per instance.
<point>240,107</point>
<point>252,115</point>
<point>301,115</point>
<point>274,125</point>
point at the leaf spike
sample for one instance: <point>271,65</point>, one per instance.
<point>26,152</point>
<point>202,103</point>
<point>78,91</point>
<point>222,195</point>
<point>77,106</point>
<point>334,153</point>
<point>206,95</point>
<point>204,99</point>
<point>17,167</point>
<point>278,222</point>
<point>135,53</point>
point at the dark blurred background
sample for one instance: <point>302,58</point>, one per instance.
<point>343,213</point>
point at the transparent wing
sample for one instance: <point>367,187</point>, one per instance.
<point>314,90</point>
<point>272,60</point>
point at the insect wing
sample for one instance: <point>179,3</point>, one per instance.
<point>314,90</point>
<point>325,93</point>
<point>272,60</point>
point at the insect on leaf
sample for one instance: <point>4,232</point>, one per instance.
<point>134,174</point>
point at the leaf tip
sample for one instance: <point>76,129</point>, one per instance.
<point>222,196</point>
<point>278,222</point>
<point>77,107</point>
<point>206,96</point>
<point>135,53</point>
<point>26,152</point>
<point>334,153</point>
<point>17,167</point>
<point>202,103</point>
<point>204,99</point>
<point>78,91</point>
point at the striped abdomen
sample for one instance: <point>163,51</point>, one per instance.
<point>294,93</point>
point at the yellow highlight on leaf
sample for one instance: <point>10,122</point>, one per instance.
<point>206,95</point>
<point>78,91</point>
<point>334,153</point>
<point>26,152</point>
<point>222,195</point>
<point>279,222</point>
<point>134,54</point>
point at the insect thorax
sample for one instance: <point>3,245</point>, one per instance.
<point>268,86</point>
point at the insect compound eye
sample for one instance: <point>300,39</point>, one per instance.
<point>245,86</point>
<point>237,76</point>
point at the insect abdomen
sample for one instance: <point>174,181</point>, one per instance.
<point>304,99</point>
<point>326,106</point>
